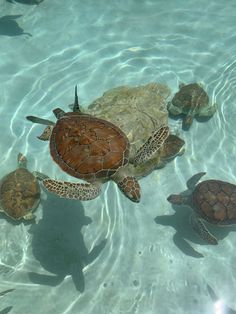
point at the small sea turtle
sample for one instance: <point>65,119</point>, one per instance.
<point>212,200</point>
<point>19,192</point>
<point>191,100</point>
<point>96,151</point>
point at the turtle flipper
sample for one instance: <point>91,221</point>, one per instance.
<point>40,120</point>
<point>191,183</point>
<point>187,121</point>
<point>209,111</point>
<point>155,141</point>
<point>199,227</point>
<point>130,187</point>
<point>45,136</point>
<point>79,191</point>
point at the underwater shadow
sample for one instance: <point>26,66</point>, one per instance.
<point>31,2</point>
<point>180,221</point>
<point>58,243</point>
<point>9,27</point>
<point>6,310</point>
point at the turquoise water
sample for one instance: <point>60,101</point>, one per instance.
<point>142,267</point>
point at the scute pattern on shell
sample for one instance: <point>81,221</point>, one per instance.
<point>19,193</point>
<point>215,201</point>
<point>87,147</point>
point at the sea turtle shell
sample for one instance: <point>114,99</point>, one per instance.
<point>19,193</point>
<point>138,111</point>
<point>88,148</point>
<point>190,97</point>
<point>215,201</point>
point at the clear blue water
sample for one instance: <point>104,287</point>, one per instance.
<point>143,267</point>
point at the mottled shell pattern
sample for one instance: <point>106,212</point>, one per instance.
<point>19,193</point>
<point>215,201</point>
<point>87,147</point>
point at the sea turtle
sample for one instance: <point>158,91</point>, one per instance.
<point>212,200</point>
<point>191,100</point>
<point>138,111</point>
<point>96,151</point>
<point>19,192</point>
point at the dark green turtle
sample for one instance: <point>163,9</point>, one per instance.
<point>191,100</point>
<point>212,200</point>
<point>20,192</point>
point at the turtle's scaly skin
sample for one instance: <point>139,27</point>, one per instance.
<point>88,148</point>
<point>19,193</point>
<point>215,201</point>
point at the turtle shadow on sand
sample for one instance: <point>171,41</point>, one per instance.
<point>9,27</point>
<point>184,233</point>
<point>31,2</point>
<point>58,243</point>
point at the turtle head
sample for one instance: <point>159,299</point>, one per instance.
<point>177,199</point>
<point>130,187</point>
<point>22,161</point>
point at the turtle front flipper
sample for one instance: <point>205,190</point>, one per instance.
<point>79,191</point>
<point>130,187</point>
<point>151,146</point>
<point>40,120</point>
<point>199,227</point>
<point>191,183</point>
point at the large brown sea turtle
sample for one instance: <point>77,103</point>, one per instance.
<point>191,100</point>
<point>19,192</point>
<point>96,151</point>
<point>139,111</point>
<point>212,200</point>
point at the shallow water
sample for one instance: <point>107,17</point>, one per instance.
<point>139,262</point>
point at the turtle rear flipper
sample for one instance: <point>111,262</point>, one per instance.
<point>45,136</point>
<point>79,191</point>
<point>208,111</point>
<point>191,183</point>
<point>40,120</point>
<point>199,227</point>
<point>151,146</point>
